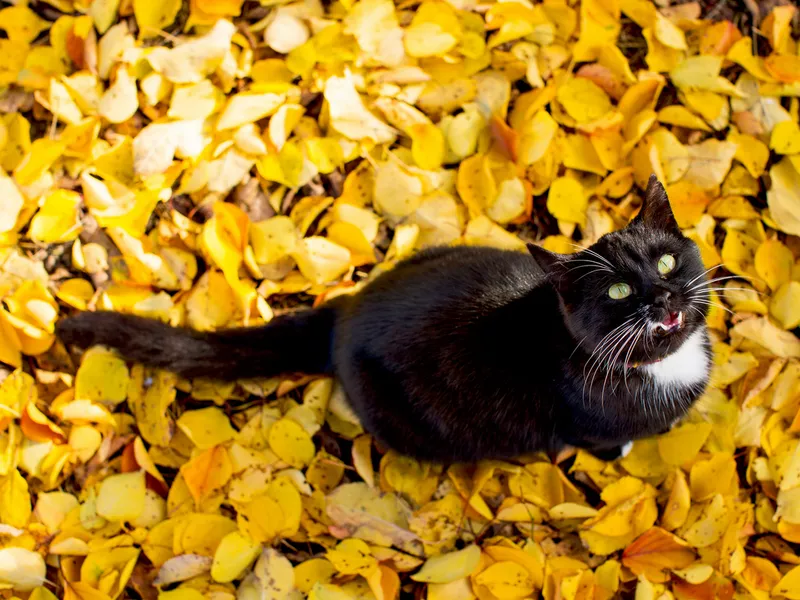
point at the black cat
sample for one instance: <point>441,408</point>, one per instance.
<point>466,353</point>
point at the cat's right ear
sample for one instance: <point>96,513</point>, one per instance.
<point>656,211</point>
<point>548,261</point>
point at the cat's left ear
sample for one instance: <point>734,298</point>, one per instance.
<point>656,211</point>
<point>548,261</point>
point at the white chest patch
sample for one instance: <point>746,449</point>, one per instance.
<point>687,366</point>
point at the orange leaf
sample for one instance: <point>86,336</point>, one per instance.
<point>784,68</point>
<point>207,472</point>
<point>135,458</point>
<point>75,49</point>
<point>655,551</point>
<point>604,77</point>
<point>715,587</point>
<point>505,138</point>
<point>38,428</point>
<point>719,38</point>
<point>384,583</point>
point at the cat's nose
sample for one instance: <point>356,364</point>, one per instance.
<point>662,300</point>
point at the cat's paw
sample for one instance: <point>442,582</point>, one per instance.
<point>625,449</point>
<point>612,454</point>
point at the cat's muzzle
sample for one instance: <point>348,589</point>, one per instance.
<point>672,323</point>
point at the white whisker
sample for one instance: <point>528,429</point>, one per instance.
<point>619,347</point>
<point>706,272</point>
<point>710,281</point>
<point>604,348</point>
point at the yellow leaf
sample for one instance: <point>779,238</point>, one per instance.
<point>481,231</point>
<point>761,330</point>
<point>742,54</point>
<point>11,203</point>
<point>683,117</point>
<point>712,521</point>
<point>709,163</point>
<point>194,101</point>
<point>246,108</point>
<point>57,219</point>
<point>536,138</point>
<point>321,260</point>
<point>235,553</point>
<point>181,593</point>
<point>427,146</point>
<point>285,33</point>
<point>506,579</point>
<point>774,263</point>
<point>434,30</point>
<point>674,155</point>
<point>206,427</point>
<point>75,292</point>
<point>362,458</point>
<point>121,497</point>
<point>701,73</point>
<point>154,17</point>
<point>272,577</point>
<point>688,203</point>
<point>789,585</point>
<point>751,152</point>
<point>449,567</point>
<point>510,202</point>
<point>109,570</point>
<point>712,477</point>
<point>324,591</point>
<point>567,200</point>
<point>21,24</point>
<point>311,572</point>
<point>21,569</point>
<point>683,443</point>
<point>349,116</point>
<point>352,557</point>
<point>192,60</point>
<point>376,28</point>
<point>120,101</point>
<point>583,100</point>
<point>102,377</point>
<point>325,472</point>
<point>15,503</point>
<point>785,305</point>
<point>207,472</point>
<point>785,138</point>
<point>784,196</point>
<point>291,443</point>
<point>445,97</point>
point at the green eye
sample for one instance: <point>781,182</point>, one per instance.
<point>666,263</point>
<point>618,291</point>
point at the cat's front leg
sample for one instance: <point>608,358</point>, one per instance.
<point>612,454</point>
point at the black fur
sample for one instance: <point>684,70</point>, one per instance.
<point>465,353</point>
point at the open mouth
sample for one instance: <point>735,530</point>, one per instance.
<point>671,324</point>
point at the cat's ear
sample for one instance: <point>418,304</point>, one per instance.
<point>656,211</point>
<point>548,261</point>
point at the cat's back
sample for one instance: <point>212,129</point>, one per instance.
<point>445,285</point>
<point>435,301</point>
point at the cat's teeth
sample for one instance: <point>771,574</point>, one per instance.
<point>671,325</point>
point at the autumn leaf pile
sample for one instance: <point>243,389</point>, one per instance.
<point>215,163</point>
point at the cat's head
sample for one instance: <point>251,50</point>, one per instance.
<point>635,295</point>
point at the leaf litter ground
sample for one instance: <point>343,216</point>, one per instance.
<point>215,163</point>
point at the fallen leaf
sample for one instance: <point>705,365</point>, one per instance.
<point>655,552</point>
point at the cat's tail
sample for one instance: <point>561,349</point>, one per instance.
<point>293,343</point>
